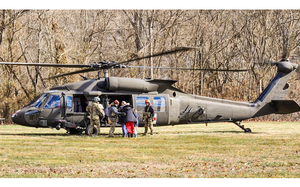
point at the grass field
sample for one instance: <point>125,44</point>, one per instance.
<point>221,150</point>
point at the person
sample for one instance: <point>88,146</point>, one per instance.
<point>136,125</point>
<point>130,119</point>
<point>106,111</point>
<point>113,114</point>
<point>96,111</point>
<point>122,119</point>
<point>148,117</point>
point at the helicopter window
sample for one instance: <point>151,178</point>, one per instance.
<point>80,103</point>
<point>159,104</point>
<point>140,103</point>
<point>39,101</point>
<point>69,102</point>
<point>53,102</point>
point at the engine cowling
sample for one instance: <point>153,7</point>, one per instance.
<point>129,84</point>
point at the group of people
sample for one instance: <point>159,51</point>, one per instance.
<point>125,115</point>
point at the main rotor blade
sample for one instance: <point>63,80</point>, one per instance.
<point>204,69</point>
<point>178,49</point>
<point>74,72</point>
<point>267,63</point>
<point>47,65</point>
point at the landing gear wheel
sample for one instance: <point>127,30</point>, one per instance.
<point>95,130</point>
<point>247,130</point>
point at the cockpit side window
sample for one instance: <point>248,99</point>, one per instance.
<point>39,100</point>
<point>53,102</point>
<point>69,102</point>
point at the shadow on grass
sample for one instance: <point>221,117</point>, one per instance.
<point>212,132</point>
<point>237,132</point>
<point>53,134</point>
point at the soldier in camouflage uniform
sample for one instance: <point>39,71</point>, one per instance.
<point>148,117</point>
<point>97,113</point>
<point>113,115</point>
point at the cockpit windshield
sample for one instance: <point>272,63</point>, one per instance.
<point>53,102</point>
<point>38,100</point>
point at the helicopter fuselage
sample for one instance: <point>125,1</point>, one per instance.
<point>65,106</point>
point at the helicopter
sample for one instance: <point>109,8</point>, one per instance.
<point>64,106</point>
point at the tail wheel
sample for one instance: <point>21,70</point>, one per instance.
<point>247,130</point>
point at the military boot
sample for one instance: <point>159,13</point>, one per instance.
<point>146,130</point>
<point>151,132</point>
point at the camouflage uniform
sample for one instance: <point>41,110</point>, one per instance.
<point>95,110</point>
<point>148,118</point>
<point>113,114</point>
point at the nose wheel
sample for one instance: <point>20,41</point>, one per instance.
<point>246,130</point>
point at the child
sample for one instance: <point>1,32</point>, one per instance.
<point>136,125</point>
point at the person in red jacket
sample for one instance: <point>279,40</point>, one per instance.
<point>130,119</point>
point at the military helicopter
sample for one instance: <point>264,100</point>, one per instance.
<point>64,106</point>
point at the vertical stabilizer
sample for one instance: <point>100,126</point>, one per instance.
<point>276,90</point>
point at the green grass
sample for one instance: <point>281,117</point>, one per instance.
<point>221,150</point>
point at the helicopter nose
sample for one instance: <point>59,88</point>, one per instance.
<point>26,117</point>
<point>18,117</point>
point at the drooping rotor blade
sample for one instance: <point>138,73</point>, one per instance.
<point>178,68</point>
<point>74,72</point>
<point>46,65</point>
<point>267,63</point>
<point>178,49</point>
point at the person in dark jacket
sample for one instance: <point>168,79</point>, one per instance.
<point>148,117</point>
<point>113,115</point>
<point>130,119</point>
<point>122,119</point>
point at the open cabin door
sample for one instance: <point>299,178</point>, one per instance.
<point>74,108</point>
<point>67,107</point>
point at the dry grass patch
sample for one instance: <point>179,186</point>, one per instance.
<point>183,151</point>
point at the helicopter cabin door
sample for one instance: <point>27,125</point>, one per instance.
<point>76,108</point>
<point>67,107</point>
<point>160,105</point>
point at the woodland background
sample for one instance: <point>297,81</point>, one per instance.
<point>225,39</point>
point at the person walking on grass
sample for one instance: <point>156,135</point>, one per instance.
<point>136,125</point>
<point>122,119</point>
<point>148,117</point>
<point>96,111</point>
<point>130,119</point>
<point>113,115</point>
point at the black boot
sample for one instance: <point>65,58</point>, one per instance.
<point>129,135</point>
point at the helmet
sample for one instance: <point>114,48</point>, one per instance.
<point>96,99</point>
<point>147,101</point>
<point>116,102</point>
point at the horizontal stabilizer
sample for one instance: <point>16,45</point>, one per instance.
<point>285,106</point>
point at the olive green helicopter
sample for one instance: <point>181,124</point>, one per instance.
<point>64,106</point>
